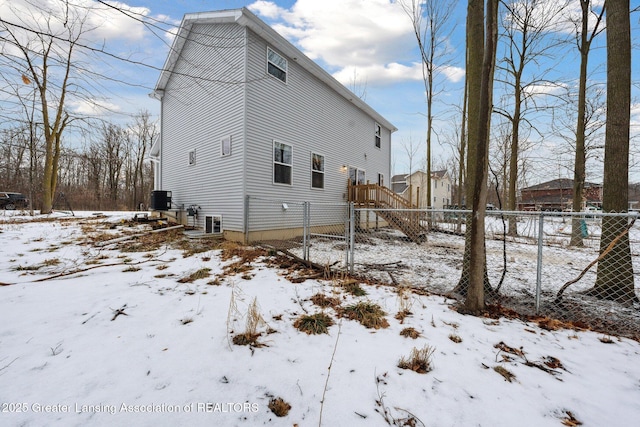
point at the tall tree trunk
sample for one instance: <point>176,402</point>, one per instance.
<point>463,144</point>
<point>477,141</point>
<point>615,271</point>
<point>475,301</point>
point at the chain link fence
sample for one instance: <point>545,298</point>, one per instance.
<point>538,263</point>
<point>301,228</point>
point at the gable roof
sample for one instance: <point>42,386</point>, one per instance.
<point>558,184</point>
<point>434,174</point>
<point>247,19</point>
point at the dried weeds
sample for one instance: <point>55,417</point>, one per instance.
<point>419,360</point>
<point>279,407</point>
<point>321,300</point>
<point>410,333</point>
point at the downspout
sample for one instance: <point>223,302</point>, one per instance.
<point>246,205</point>
<point>158,94</point>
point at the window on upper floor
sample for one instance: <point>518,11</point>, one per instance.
<point>277,65</point>
<point>282,163</point>
<point>317,170</point>
<point>378,135</point>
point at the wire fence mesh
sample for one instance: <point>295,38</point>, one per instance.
<point>575,267</point>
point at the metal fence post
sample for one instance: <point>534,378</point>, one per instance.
<point>352,230</point>
<point>305,242</point>
<point>539,262</point>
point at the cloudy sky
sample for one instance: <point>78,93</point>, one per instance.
<point>368,45</point>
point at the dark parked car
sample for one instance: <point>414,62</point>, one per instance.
<point>13,200</point>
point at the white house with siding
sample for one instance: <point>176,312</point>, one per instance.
<point>414,188</point>
<point>245,113</point>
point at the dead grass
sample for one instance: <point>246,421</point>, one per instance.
<point>315,324</point>
<point>410,333</point>
<point>370,315</point>
<point>247,339</point>
<point>401,315</point>
<point>455,338</point>
<point>570,420</point>
<point>254,320</point>
<point>506,374</point>
<point>203,273</point>
<point>279,407</point>
<point>242,266</point>
<point>353,287</point>
<point>419,360</point>
<point>321,300</point>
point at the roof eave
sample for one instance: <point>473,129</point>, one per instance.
<point>246,18</point>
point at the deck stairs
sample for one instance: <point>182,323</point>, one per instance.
<point>392,208</point>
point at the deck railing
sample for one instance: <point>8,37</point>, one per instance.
<point>394,209</point>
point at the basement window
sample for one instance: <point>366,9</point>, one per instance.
<point>213,224</point>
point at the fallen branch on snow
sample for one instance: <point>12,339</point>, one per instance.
<point>594,262</point>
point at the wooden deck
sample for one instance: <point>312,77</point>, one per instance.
<point>389,206</point>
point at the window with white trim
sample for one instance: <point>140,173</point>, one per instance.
<point>356,176</point>
<point>378,135</point>
<point>213,224</point>
<point>282,163</point>
<point>277,65</point>
<point>225,146</point>
<point>317,170</point>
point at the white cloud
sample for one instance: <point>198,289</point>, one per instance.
<point>391,73</point>
<point>548,88</point>
<point>373,37</point>
<point>93,107</point>
<point>267,9</point>
<point>115,24</point>
<point>96,21</point>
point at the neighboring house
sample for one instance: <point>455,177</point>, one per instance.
<point>245,113</point>
<point>557,195</point>
<point>413,188</point>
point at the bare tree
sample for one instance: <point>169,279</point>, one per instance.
<point>431,20</point>
<point>584,39</point>
<point>112,146</point>
<point>144,132</point>
<point>527,25</point>
<point>42,44</point>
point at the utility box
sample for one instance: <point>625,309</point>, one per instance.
<point>160,200</point>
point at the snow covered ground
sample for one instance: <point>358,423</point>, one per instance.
<point>131,339</point>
